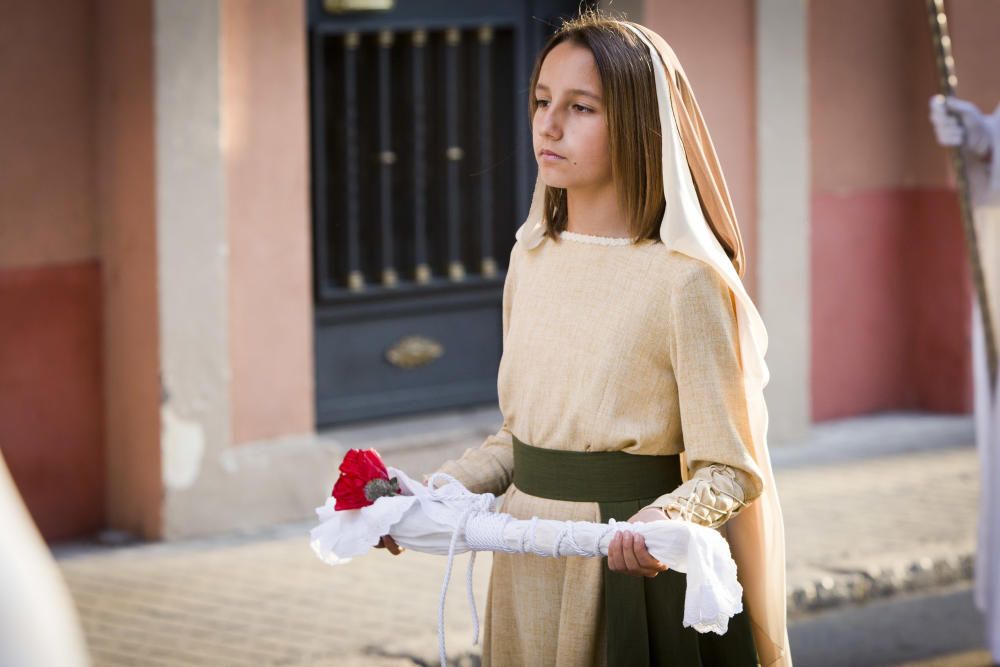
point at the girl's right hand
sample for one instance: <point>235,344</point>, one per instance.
<point>386,542</point>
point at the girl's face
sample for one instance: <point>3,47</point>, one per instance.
<point>569,121</point>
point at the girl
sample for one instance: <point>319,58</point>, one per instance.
<point>628,341</point>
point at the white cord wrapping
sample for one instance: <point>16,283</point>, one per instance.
<point>482,504</point>
<point>452,519</point>
<point>483,530</point>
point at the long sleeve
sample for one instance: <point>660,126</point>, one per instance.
<point>489,468</point>
<point>715,424</point>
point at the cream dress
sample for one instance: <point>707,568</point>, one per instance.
<point>608,346</point>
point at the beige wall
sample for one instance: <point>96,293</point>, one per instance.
<point>715,44</point>
<point>265,150</point>
<point>233,233</point>
<point>127,225</point>
<point>47,81</point>
<point>783,233</point>
<point>192,260</point>
<point>204,226</point>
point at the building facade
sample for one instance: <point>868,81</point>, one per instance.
<point>228,226</point>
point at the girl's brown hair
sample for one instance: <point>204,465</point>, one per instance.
<point>632,114</point>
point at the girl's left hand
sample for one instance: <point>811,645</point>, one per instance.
<point>627,552</point>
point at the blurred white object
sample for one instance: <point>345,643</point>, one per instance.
<point>38,622</point>
<point>945,115</point>
<point>984,183</point>
<point>452,520</point>
<point>982,138</point>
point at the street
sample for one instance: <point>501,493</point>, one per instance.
<point>942,625</point>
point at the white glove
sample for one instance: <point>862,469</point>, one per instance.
<point>945,113</point>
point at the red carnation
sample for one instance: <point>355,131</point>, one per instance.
<point>363,478</point>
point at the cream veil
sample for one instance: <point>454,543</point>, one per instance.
<point>756,535</point>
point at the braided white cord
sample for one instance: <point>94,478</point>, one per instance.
<point>444,588</point>
<point>482,503</point>
<point>472,599</point>
<point>577,549</point>
<point>530,532</point>
<point>567,527</point>
<point>483,534</point>
<point>486,534</point>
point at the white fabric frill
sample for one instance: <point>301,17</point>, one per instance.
<point>451,520</point>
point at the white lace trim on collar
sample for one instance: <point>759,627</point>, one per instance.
<point>593,238</point>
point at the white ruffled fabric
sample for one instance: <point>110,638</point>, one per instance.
<point>451,520</point>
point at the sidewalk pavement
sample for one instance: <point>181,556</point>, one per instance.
<point>872,506</point>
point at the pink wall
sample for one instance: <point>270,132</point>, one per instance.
<point>860,351</point>
<point>265,130</point>
<point>889,303</point>
<point>974,26</point>
<point>890,300</point>
<point>715,44</point>
<point>127,219</point>
<point>50,380</point>
<point>861,104</point>
<point>47,143</point>
<point>51,422</point>
<point>78,266</point>
<point>940,293</point>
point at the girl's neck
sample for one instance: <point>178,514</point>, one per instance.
<point>595,213</point>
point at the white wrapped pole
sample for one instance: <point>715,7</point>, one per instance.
<point>713,596</point>
<point>452,520</point>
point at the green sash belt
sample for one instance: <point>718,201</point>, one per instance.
<point>604,477</point>
<point>622,484</point>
